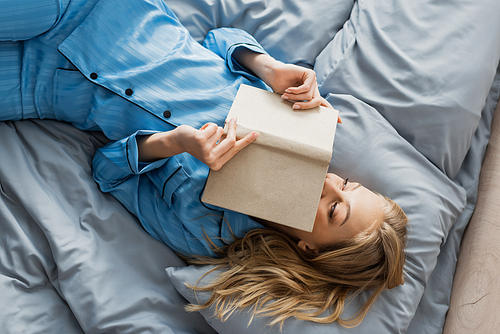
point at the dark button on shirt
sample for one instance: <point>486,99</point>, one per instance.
<point>167,114</point>
<point>129,92</point>
<point>93,75</point>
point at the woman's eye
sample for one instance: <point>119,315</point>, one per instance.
<point>345,183</point>
<point>332,210</point>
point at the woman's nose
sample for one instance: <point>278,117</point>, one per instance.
<point>324,192</point>
<point>330,187</point>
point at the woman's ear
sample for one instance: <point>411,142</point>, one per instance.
<point>307,248</point>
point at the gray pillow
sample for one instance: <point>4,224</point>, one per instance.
<point>368,149</point>
<point>290,30</point>
<point>426,66</point>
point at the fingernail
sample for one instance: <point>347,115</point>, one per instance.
<point>296,106</point>
<point>284,97</point>
<point>288,91</point>
<point>256,134</point>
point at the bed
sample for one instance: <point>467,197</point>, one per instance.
<point>416,84</point>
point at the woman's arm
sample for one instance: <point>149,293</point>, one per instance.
<point>164,194</point>
<point>295,83</point>
<point>208,144</point>
<point>245,56</point>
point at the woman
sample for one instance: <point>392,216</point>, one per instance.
<point>357,242</point>
<point>131,70</point>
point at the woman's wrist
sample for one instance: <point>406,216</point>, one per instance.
<point>260,64</point>
<point>159,146</point>
<point>265,68</point>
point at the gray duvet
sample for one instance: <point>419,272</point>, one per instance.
<point>72,260</point>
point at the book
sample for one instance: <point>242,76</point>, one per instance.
<point>280,176</point>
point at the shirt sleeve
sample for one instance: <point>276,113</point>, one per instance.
<point>26,19</point>
<point>224,41</point>
<point>115,162</point>
<point>151,192</point>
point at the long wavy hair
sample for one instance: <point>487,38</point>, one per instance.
<point>267,272</point>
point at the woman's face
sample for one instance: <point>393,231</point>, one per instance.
<point>345,209</point>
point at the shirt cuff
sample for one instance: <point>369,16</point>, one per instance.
<point>139,167</point>
<point>235,67</point>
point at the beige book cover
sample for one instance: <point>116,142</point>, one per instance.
<point>280,176</point>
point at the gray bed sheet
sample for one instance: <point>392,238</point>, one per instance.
<point>72,259</point>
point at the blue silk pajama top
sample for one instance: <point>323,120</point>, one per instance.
<point>128,68</point>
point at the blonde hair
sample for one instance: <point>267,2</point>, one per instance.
<point>266,271</point>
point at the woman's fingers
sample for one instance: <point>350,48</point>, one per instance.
<point>238,146</point>
<point>325,103</point>
<point>208,133</point>
<point>308,96</point>
<point>306,89</point>
<point>209,127</point>
<point>229,146</point>
<point>307,85</point>
<point>317,100</point>
<point>313,103</point>
<point>305,96</point>
<point>231,130</point>
<point>211,134</point>
<point>229,141</point>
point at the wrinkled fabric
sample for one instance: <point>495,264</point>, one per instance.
<point>72,259</point>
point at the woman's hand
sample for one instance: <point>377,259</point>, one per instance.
<point>208,144</point>
<point>294,83</point>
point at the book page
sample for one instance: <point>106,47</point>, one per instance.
<point>268,113</point>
